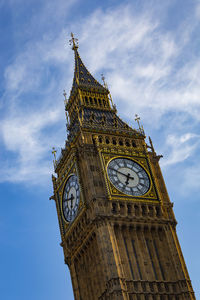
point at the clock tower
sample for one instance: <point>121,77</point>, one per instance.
<point>116,220</point>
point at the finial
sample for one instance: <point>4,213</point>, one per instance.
<point>152,148</point>
<point>73,42</point>
<point>67,117</point>
<point>104,82</point>
<point>54,151</point>
<point>54,154</point>
<point>137,119</point>
<point>106,86</point>
<point>65,95</point>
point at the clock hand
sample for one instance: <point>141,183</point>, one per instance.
<point>127,179</point>
<point>72,198</point>
<point>128,176</point>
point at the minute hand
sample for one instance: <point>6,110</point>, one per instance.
<point>127,176</point>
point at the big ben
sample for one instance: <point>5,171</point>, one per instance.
<point>117,225</point>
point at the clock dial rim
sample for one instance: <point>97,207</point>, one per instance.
<point>77,200</point>
<point>122,189</point>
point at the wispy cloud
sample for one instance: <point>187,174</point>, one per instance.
<point>144,63</point>
<point>179,148</point>
<point>145,66</point>
<point>25,137</point>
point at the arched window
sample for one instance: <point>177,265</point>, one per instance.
<point>127,143</point>
<point>133,144</point>
<point>114,141</point>
<point>114,207</point>
<point>86,100</point>
<point>91,101</point>
<point>144,211</point>
<point>100,139</point>
<point>150,211</point>
<point>128,208</point>
<point>107,140</point>
<point>137,212</point>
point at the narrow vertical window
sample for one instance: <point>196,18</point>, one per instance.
<point>157,254</point>
<point>136,258</point>
<point>154,270</point>
<point>125,243</point>
<point>76,267</point>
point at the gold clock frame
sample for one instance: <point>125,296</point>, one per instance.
<point>150,181</point>
<point>150,195</point>
<point>72,171</point>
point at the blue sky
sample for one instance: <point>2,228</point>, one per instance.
<point>149,53</point>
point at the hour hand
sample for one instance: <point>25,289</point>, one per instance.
<point>127,179</point>
<point>71,198</point>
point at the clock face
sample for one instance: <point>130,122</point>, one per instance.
<point>71,198</point>
<point>128,176</point>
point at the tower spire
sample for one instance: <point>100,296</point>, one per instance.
<point>90,104</point>
<point>82,77</point>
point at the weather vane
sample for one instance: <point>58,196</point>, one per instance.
<point>73,42</point>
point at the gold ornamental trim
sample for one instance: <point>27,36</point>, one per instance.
<point>142,161</point>
<point>72,171</point>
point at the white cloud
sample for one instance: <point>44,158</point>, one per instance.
<point>24,135</point>
<point>31,68</point>
<point>144,66</point>
<point>142,61</point>
<point>107,36</point>
<point>180,148</point>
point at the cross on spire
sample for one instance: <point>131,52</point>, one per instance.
<point>64,94</point>
<point>54,152</point>
<point>73,42</point>
<point>137,119</point>
<point>104,82</point>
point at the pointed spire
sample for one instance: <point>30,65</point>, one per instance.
<point>82,77</point>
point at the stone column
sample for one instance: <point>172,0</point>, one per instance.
<point>110,256</point>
